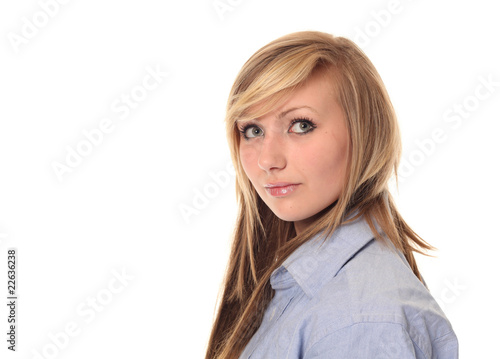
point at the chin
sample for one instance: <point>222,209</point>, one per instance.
<point>299,215</point>
<point>290,216</point>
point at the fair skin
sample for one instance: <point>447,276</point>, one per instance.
<point>296,155</point>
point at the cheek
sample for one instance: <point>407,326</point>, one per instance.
<point>325,164</point>
<point>248,157</point>
<point>335,167</point>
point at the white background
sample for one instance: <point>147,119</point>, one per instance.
<point>119,208</point>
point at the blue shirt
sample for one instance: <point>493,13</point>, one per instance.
<point>350,297</point>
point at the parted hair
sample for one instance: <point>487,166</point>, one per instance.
<point>261,240</point>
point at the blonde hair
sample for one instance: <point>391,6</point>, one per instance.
<point>262,241</point>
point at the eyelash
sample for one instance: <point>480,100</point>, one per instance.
<point>244,129</point>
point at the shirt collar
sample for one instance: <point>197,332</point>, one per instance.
<point>318,261</point>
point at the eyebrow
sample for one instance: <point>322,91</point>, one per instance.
<point>286,112</point>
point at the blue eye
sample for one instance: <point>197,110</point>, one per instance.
<point>251,131</point>
<point>302,126</point>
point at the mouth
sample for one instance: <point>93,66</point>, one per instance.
<point>281,189</point>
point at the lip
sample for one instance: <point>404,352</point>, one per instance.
<point>279,184</point>
<point>281,189</point>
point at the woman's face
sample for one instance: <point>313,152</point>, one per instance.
<point>296,155</point>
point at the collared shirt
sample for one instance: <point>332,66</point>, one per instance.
<point>351,296</point>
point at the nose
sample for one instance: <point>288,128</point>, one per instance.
<point>272,154</point>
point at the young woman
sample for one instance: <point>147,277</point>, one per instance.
<point>322,262</point>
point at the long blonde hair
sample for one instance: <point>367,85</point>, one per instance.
<point>262,241</point>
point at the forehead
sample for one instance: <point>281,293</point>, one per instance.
<point>315,94</point>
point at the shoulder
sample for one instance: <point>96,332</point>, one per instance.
<point>376,301</point>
